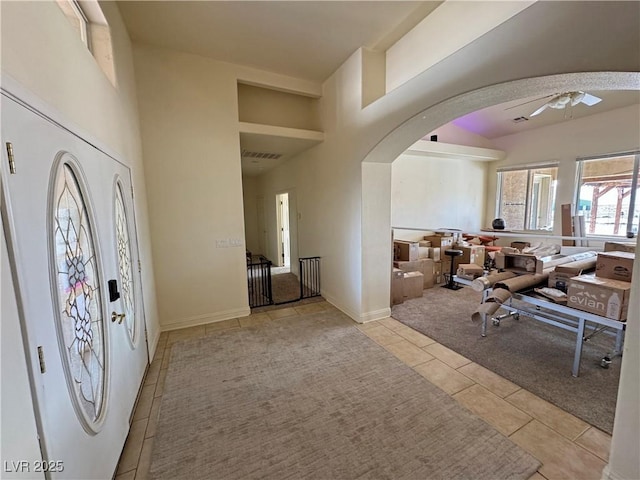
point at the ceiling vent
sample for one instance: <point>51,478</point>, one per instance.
<point>267,155</point>
<point>520,119</point>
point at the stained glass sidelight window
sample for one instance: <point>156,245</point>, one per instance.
<point>124,263</point>
<point>80,315</point>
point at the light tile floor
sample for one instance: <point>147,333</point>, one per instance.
<point>567,447</point>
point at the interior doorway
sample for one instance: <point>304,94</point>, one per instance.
<point>283,231</point>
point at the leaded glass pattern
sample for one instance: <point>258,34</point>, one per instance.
<point>124,263</point>
<point>80,318</point>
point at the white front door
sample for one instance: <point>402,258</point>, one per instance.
<point>68,215</point>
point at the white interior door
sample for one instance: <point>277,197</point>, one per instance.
<point>282,229</point>
<point>67,210</point>
<point>286,238</point>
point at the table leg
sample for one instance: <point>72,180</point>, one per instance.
<point>484,325</point>
<point>578,353</point>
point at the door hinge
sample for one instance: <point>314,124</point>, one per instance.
<point>43,367</point>
<point>131,191</point>
<point>12,162</point>
<point>139,266</point>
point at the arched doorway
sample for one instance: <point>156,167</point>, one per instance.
<point>376,220</point>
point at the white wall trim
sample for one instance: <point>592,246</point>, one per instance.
<point>347,311</point>
<point>607,474</point>
<point>153,345</point>
<point>374,315</point>
<point>359,317</point>
<point>206,318</point>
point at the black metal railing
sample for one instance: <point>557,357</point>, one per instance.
<point>259,277</point>
<point>309,277</point>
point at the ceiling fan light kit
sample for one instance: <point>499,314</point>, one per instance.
<point>561,101</point>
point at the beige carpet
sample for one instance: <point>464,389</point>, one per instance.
<point>536,356</point>
<point>312,397</point>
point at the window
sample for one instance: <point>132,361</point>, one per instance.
<point>87,19</point>
<point>608,194</point>
<point>77,18</point>
<point>526,197</point>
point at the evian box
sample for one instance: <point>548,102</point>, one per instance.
<point>603,296</point>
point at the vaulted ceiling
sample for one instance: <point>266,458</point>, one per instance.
<point>310,40</point>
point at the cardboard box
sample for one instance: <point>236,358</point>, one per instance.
<point>520,245</point>
<point>435,254</point>
<point>472,254</point>
<point>405,251</point>
<point>424,243</point>
<point>469,271</point>
<point>440,241</point>
<point>528,263</point>
<point>397,286</point>
<point>615,265</point>
<point>412,286</point>
<point>603,296</point>
<point>428,272</point>
<point>516,262</point>
<point>619,247</point>
<point>437,272</point>
<point>423,265</point>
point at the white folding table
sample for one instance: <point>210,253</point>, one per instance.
<point>585,325</point>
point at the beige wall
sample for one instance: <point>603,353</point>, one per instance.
<point>608,132</point>
<point>189,117</point>
<point>432,193</point>
<point>250,195</point>
<point>283,109</point>
<point>450,27</point>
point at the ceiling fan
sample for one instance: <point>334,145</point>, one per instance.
<point>568,99</point>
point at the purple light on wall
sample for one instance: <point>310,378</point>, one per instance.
<point>470,123</point>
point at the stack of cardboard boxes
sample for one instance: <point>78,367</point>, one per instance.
<point>605,293</point>
<point>411,273</point>
<point>427,258</point>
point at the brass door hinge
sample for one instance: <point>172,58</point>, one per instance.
<point>43,367</point>
<point>12,162</point>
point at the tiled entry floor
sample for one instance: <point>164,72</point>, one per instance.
<point>567,447</point>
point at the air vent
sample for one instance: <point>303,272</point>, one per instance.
<point>270,156</point>
<point>520,119</point>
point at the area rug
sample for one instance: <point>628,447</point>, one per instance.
<point>311,397</point>
<point>285,287</point>
<point>531,354</point>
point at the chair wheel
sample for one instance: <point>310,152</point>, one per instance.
<point>605,362</point>
<point>496,322</point>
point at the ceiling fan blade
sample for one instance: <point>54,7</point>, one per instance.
<point>540,110</point>
<point>530,101</point>
<point>590,100</point>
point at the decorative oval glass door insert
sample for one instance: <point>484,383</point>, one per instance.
<point>125,266</point>
<point>80,319</point>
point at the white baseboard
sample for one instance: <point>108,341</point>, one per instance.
<point>607,474</point>
<point>375,315</point>
<point>206,318</point>
<point>153,345</point>
<point>358,317</point>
